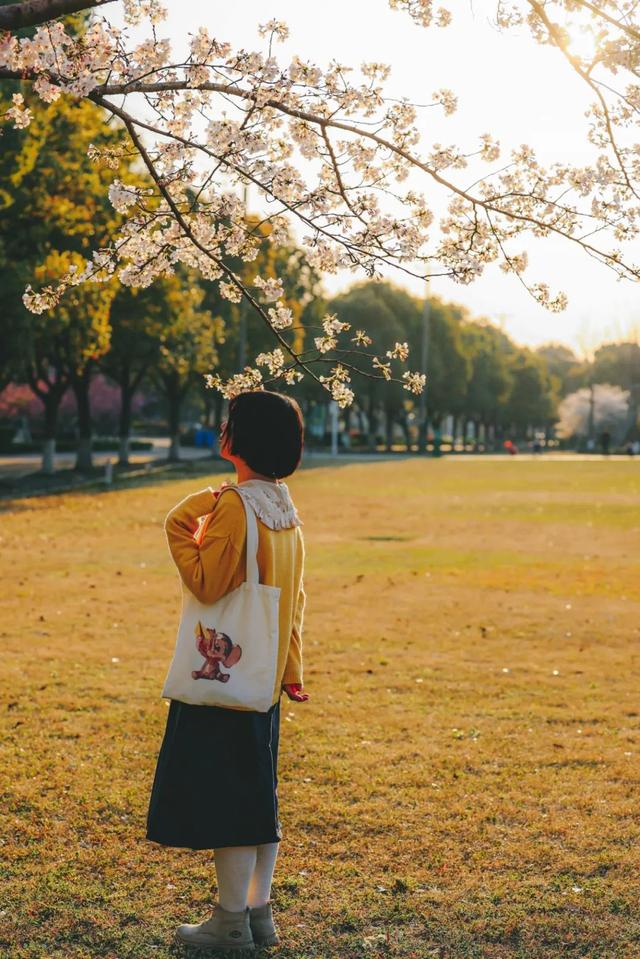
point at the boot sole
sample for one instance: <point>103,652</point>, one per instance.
<point>267,941</point>
<point>207,948</point>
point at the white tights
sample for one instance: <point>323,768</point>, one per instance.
<point>244,875</point>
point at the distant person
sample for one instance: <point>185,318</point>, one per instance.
<point>510,447</point>
<point>215,784</point>
<point>605,442</point>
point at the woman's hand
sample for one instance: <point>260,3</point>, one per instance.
<point>294,691</point>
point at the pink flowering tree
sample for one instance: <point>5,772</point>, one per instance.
<point>328,149</point>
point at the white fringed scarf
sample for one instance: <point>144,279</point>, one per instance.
<point>271,502</point>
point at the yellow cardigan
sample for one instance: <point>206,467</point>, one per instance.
<point>207,540</point>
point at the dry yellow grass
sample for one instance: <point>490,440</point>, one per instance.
<point>464,779</point>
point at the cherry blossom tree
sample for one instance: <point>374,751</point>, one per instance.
<point>607,408</point>
<point>328,149</point>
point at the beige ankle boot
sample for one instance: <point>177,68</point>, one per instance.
<point>224,930</point>
<point>262,926</point>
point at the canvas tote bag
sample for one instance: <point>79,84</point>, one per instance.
<point>226,653</point>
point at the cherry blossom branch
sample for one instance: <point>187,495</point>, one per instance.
<point>324,123</point>
<point>599,12</point>
<point>554,33</point>
<point>137,142</point>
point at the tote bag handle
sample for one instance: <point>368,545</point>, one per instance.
<point>252,572</point>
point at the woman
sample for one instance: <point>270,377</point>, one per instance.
<point>215,785</point>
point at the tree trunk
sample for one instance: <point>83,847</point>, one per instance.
<point>174,403</point>
<point>218,403</point>
<point>372,438</point>
<point>124,427</point>
<point>50,399</point>
<point>634,407</point>
<point>388,428</point>
<point>436,422</point>
<point>404,423</point>
<point>80,383</point>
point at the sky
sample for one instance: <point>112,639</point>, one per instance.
<point>507,85</point>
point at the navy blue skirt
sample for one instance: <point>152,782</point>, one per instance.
<point>216,778</point>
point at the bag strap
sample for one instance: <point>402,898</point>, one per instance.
<point>252,574</point>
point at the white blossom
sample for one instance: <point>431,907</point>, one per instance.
<point>281,317</point>
<point>399,352</point>
<point>250,379</point>
<point>332,325</point>
<point>275,27</point>
<point>448,99</point>
<point>271,288</point>
<point>273,360</point>
<point>414,382</point>
<point>122,196</point>
<point>18,113</point>
<point>385,368</point>
<point>230,291</point>
<point>325,343</point>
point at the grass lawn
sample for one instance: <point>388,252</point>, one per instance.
<point>463,781</point>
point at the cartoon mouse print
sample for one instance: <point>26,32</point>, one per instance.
<point>218,650</point>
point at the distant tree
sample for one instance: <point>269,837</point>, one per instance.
<point>390,315</point>
<point>60,349</point>
<point>568,373</point>
<point>135,329</point>
<point>490,380</point>
<point>54,209</point>
<point>619,364</point>
<point>449,366</point>
<point>188,337</point>
<point>610,412</point>
<point>530,401</point>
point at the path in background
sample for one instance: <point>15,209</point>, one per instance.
<point>15,466</point>
<point>20,464</point>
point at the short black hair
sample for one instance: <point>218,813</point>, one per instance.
<point>266,429</point>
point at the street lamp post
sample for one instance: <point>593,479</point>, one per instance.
<point>424,360</point>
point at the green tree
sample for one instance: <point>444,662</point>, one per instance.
<point>54,209</point>
<point>619,365</point>
<point>64,345</point>
<point>388,314</point>
<point>489,383</point>
<point>135,317</point>
<point>567,372</point>
<point>530,402</point>
<point>188,338</point>
<point>449,366</point>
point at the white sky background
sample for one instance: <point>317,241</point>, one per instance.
<point>507,85</point>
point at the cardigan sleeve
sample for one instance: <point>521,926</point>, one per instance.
<point>293,672</point>
<point>209,564</point>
